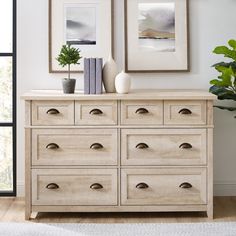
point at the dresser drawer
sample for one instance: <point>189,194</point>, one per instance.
<point>185,112</point>
<point>53,113</point>
<point>74,187</point>
<point>141,112</point>
<point>182,186</point>
<point>96,113</point>
<point>163,147</point>
<point>74,147</point>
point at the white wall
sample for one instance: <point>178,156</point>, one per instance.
<point>212,22</point>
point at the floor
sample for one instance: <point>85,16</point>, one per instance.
<point>12,210</point>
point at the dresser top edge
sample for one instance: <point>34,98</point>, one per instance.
<point>150,94</point>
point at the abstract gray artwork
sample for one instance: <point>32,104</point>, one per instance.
<point>157,26</point>
<point>80,25</point>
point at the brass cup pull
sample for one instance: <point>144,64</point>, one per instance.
<point>185,146</point>
<point>96,146</point>
<point>141,111</point>
<point>185,185</point>
<point>52,186</point>
<point>142,146</point>
<point>53,111</point>
<point>52,146</point>
<point>96,112</point>
<point>185,111</point>
<point>96,186</point>
<point>142,186</point>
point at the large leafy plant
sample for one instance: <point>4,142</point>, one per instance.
<point>225,85</point>
<point>68,56</point>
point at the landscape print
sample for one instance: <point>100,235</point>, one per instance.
<point>157,26</point>
<point>80,25</point>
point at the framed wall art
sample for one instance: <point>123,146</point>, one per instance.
<point>156,35</point>
<point>84,24</point>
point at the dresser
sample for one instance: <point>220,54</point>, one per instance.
<point>147,151</point>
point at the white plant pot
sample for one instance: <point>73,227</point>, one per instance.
<point>123,83</point>
<point>109,75</point>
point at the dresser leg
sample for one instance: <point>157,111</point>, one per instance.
<point>27,215</point>
<point>210,214</point>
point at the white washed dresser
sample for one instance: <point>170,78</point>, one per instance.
<point>147,151</point>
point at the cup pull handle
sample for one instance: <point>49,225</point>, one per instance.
<point>96,186</point>
<point>185,111</point>
<point>96,146</point>
<point>142,146</point>
<point>96,112</point>
<point>53,111</point>
<point>142,186</point>
<point>52,186</point>
<point>185,146</point>
<point>142,111</point>
<point>52,146</point>
<point>185,185</point>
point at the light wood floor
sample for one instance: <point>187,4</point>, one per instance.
<point>12,210</point>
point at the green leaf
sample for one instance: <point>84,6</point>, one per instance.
<point>225,64</point>
<point>223,50</point>
<point>223,93</point>
<point>232,44</point>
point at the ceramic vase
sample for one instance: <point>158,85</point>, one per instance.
<point>109,75</point>
<point>123,83</point>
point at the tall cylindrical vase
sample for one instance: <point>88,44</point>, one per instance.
<point>109,75</point>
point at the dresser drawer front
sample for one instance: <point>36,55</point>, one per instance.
<point>96,113</point>
<point>141,112</point>
<point>52,113</point>
<point>74,187</point>
<point>74,147</point>
<point>163,147</point>
<point>182,186</point>
<point>185,112</point>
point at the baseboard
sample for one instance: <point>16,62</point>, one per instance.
<point>20,189</point>
<point>220,189</point>
<point>225,188</point>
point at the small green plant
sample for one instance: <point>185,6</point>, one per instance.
<point>69,56</point>
<point>225,85</point>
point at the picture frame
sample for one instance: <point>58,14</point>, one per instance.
<point>84,24</point>
<point>156,36</point>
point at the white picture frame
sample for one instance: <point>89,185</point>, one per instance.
<point>96,30</point>
<point>141,51</point>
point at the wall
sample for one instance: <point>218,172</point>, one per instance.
<point>212,22</point>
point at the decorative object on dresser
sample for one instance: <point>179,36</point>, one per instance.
<point>68,56</point>
<point>156,35</point>
<point>84,24</point>
<point>93,75</point>
<point>146,151</point>
<point>109,75</point>
<point>225,86</point>
<point>123,83</point>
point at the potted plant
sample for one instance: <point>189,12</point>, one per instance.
<point>68,56</point>
<point>225,85</point>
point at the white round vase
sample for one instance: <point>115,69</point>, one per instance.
<point>123,83</point>
<point>109,75</point>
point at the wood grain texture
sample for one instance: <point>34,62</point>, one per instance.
<point>119,165</point>
<point>164,147</point>
<point>164,186</point>
<point>40,115</point>
<point>75,147</point>
<point>85,116</point>
<point>74,187</point>
<point>133,112</point>
<point>172,112</point>
<point>140,94</point>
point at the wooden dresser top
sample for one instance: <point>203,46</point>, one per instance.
<point>151,94</point>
